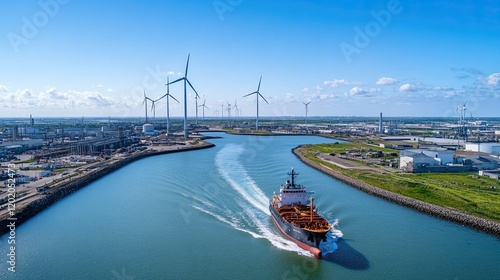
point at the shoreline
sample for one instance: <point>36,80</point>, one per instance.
<point>54,195</point>
<point>477,223</point>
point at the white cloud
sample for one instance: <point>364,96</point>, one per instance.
<point>326,96</point>
<point>384,81</point>
<point>408,88</point>
<point>340,82</point>
<point>357,91</point>
<point>170,73</point>
<point>51,98</point>
<point>493,79</point>
<point>3,88</point>
<point>443,88</point>
<point>335,83</point>
<point>289,97</point>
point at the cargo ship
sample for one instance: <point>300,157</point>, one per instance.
<point>294,214</point>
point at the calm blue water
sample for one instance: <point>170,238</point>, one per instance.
<point>203,215</point>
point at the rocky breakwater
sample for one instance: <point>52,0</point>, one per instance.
<point>58,192</point>
<point>478,223</point>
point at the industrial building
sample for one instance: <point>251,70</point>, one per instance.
<point>412,160</point>
<point>19,146</point>
<point>493,174</point>
<point>489,148</point>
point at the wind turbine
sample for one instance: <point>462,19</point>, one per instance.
<point>196,106</point>
<point>228,110</point>
<point>307,105</point>
<point>186,81</point>
<point>168,95</point>
<point>222,111</point>
<point>236,107</point>
<point>153,109</point>
<point>257,93</point>
<point>462,119</point>
<point>145,102</point>
<point>204,106</point>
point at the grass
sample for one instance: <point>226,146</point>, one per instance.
<point>465,192</point>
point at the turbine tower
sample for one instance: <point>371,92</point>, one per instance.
<point>228,110</point>
<point>186,81</point>
<point>153,109</point>
<point>203,106</point>
<point>145,103</point>
<point>463,128</point>
<point>307,106</point>
<point>196,106</point>
<point>236,107</point>
<point>168,95</point>
<point>257,93</point>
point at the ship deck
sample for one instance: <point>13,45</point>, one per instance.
<point>300,216</point>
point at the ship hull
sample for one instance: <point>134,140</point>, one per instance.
<point>305,239</point>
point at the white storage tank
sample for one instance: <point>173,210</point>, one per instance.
<point>148,129</point>
<point>490,147</point>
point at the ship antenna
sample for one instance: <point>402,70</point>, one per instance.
<point>293,175</point>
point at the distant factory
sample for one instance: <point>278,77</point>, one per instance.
<point>489,148</point>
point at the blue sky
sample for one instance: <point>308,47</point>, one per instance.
<point>349,58</point>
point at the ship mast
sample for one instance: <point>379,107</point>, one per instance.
<point>293,175</point>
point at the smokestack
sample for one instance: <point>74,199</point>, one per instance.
<point>15,132</point>
<point>380,126</point>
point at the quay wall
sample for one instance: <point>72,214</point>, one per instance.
<point>453,215</point>
<point>58,193</point>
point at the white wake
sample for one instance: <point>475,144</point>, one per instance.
<point>253,215</point>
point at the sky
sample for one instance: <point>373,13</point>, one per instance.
<point>75,58</point>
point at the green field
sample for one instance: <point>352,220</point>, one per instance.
<point>466,192</point>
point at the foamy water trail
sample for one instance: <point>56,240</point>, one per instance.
<point>252,200</point>
<point>250,213</point>
<point>231,170</point>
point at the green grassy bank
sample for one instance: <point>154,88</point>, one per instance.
<point>465,192</point>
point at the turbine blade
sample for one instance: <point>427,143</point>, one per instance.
<point>180,79</point>
<point>161,98</point>
<point>187,66</point>
<point>250,94</point>
<point>174,98</point>
<point>258,88</point>
<point>192,88</point>
<point>263,98</point>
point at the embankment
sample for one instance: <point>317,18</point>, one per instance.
<point>67,188</point>
<point>474,222</point>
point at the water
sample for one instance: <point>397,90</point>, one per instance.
<point>203,215</point>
